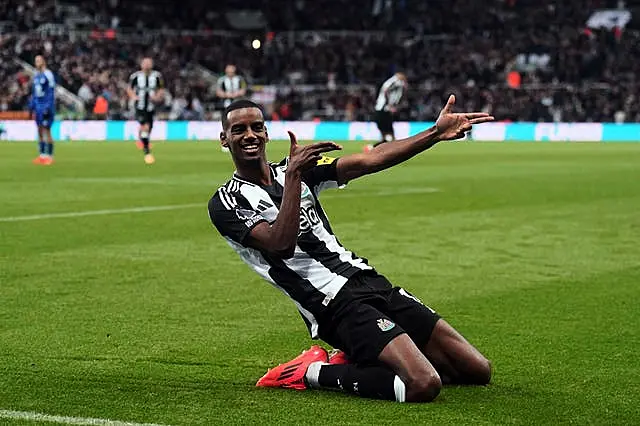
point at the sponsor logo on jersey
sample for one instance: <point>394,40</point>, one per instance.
<point>385,325</point>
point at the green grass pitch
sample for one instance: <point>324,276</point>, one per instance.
<point>530,250</point>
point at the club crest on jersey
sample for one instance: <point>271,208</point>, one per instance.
<point>385,325</point>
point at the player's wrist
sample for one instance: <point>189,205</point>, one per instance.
<point>433,134</point>
<point>293,173</point>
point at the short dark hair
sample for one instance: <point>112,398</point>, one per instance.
<point>239,104</point>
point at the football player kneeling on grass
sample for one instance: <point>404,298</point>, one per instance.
<point>392,345</point>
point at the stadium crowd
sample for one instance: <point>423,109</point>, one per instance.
<point>565,71</point>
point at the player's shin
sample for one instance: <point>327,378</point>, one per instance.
<point>144,138</point>
<point>49,144</point>
<point>367,382</point>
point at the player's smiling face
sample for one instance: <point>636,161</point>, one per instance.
<point>246,134</point>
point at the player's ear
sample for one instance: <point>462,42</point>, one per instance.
<point>266,134</point>
<point>223,140</point>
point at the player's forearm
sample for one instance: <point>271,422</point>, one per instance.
<point>284,231</point>
<point>389,154</point>
<point>384,156</point>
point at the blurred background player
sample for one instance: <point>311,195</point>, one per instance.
<point>146,89</point>
<point>389,98</point>
<point>42,107</point>
<point>230,87</point>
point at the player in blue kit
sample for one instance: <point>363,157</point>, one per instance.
<point>42,107</point>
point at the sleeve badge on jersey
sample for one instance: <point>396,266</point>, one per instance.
<point>324,160</point>
<point>245,214</point>
<point>249,217</point>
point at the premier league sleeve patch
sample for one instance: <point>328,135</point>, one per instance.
<point>324,160</point>
<point>249,217</point>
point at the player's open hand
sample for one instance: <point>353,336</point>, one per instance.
<point>451,125</point>
<point>304,157</point>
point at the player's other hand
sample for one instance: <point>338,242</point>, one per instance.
<point>451,125</point>
<point>305,157</point>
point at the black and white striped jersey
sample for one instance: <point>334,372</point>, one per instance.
<point>390,93</point>
<point>145,86</point>
<point>320,265</point>
<point>231,84</point>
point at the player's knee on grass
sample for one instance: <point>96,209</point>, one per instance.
<point>477,370</point>
<point>423,387</point>
<point>480,371</point>
<point>455,358</point>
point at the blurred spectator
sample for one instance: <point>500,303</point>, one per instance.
<point>474,49</point>
<point>86,94</point>
<point>101,106</point>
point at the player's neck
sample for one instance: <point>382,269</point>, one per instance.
<point>257,172</point>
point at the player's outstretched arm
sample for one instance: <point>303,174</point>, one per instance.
<point>280,238</point>
<point>449,126</point>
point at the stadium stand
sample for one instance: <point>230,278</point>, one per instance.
<point>309,67</point>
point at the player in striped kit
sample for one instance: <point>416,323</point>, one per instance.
<point>270,214</point>
<point>146,89</point>
<point>389,97</point>
<point>230,87</point>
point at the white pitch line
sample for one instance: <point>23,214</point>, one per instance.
<point>399,191</point>
<point>87,421</point>
<point>100,212</point>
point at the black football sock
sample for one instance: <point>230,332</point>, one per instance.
<point>144,137</point>
<point>145,145</point>
<point>379,143</point>
<point>367,382</point>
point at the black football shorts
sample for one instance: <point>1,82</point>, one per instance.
<point>384,120</point>
<point>369,312</point>
<point>144,117</point>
